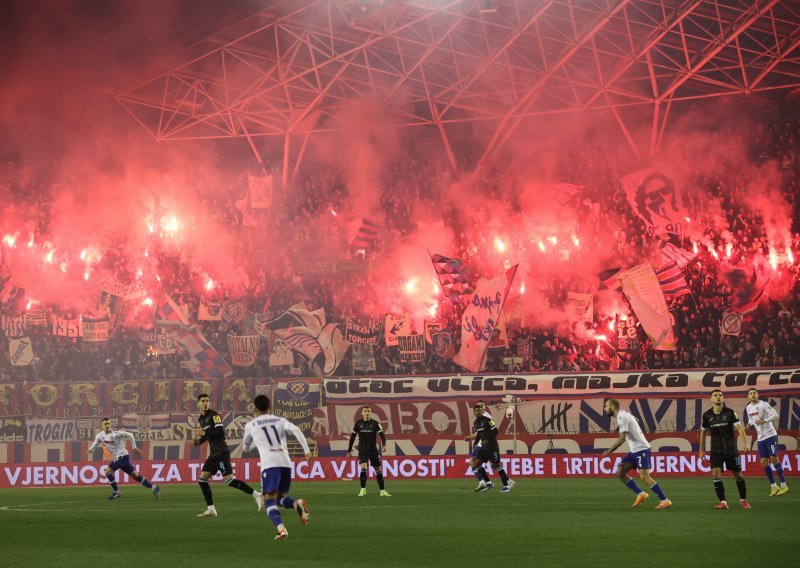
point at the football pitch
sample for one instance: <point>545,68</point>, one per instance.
<point>587,522</point>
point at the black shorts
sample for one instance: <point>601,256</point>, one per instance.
<point>374,458</point>
<point>732,462</point>
<point>489,454</point>
<point>220,464</point>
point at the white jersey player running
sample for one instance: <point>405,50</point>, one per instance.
<point>763,418</point>
<point>638,458</point>
<point>267,433</point>
<point>114,442</point>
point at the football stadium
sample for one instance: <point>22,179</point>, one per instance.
<point>432,283</point>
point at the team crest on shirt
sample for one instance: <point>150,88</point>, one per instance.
<point>298,389</point>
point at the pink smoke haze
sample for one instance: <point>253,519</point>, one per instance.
<point>89,197</point>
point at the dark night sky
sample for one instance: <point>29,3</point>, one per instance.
<point>56,56</point>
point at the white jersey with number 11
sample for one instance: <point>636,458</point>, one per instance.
<point>268,433</point>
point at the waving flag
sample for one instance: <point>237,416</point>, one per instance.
<point>307,333</point>
<point>452,276</point>
<point>481,318</point>
<point>167,312</point>
<point>654,195</point>
<point>747,289</point>
<point>673,253</point>
<point>203,359</point>
<point>672,281</point>
<point>647,300</point>
<point>368,233</point>
<point>608,278</point>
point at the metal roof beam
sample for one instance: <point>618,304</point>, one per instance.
<point>658,33</point>
<point>503,130</point>
<point>513,37</point>
<point>714,47</point>
<point>784,50</point>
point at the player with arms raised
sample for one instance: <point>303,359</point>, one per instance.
<point>368,429</point>
<point>114,442</point>
<point>763,417</point>
<point>267,433</point>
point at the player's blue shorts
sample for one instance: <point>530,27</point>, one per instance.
<point>768,447</point>
<point>123,463</point>
<point>475,450</point>
<point>639,460</point>
<point>276,479</point>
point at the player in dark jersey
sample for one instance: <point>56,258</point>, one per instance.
<point>368,429</point>
<point>486,433</point>
<point>721,422</point>
<point>219,457</point>
<point>476,448</point>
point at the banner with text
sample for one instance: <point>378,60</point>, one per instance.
<point>672,464</point>
<point>296,399</point>
<point>95,398</point>
<point>623,384</point>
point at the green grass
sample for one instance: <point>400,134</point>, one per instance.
<point>425,523</point>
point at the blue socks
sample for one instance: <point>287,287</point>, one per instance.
<point>272,512</point>
<point>287,502</point>
<point>113,482</point>
<point>770,477</point>
<point>631,484</point>
<point>657,490</point>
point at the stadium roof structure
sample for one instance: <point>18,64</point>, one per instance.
<point>286,70</point>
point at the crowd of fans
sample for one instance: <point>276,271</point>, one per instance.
<point>311,265</point>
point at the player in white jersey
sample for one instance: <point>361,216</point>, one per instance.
<point>267,433</point>
<point>114,442</point>
<point>638,458</point>
<point>763,418</point>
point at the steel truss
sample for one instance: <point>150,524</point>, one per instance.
<point>288,70</point>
